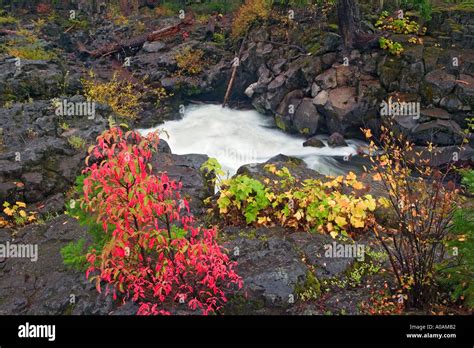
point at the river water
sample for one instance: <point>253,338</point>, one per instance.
<point>237,137</point>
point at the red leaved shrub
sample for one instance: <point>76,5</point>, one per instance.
<point>43,8</point>
<point>154,255</point>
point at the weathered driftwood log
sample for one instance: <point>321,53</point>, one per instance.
<point>7,32</point>
<point>137,41</point>
<point>236,63</point>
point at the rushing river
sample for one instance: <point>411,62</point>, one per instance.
<point>237,137</point>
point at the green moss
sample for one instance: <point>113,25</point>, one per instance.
<point>354,275</point>
<point>279,123</point>
<point>6,19</point>
<point>252,234</point>
<point>76,142</point>
<point>69,309</point>
<point>314,48</point>
<point>241,305</point>
<point>334,27</point>
<point>304,131</point>
<point>310,289</point>
<point>466,6</point>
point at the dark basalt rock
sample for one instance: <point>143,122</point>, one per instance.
<point>438,83</point>
<point>313,142</point>
<point>45,287</point>
<point>185,169</point>
<point>296,166</point>
<point>37,159</point>
<point>306,117</point>
<point>274,262</point>
<point>336,140</point>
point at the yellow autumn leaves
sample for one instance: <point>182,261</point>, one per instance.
<point>122,95</point>
<point>312,205</point>
<point>16,214</point>
<point>249,13</point>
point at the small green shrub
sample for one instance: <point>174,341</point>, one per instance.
<point>77,142</point>
<point>457,273</point>
<point>31,52</point>
<point>6,18</point>
<point>74,255</point>
<point>248,14</point>
<point>310,205</point>
<point>219,39</point>
<point>395,48</point>
<point>424,7</point>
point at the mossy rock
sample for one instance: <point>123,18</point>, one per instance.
<point>241,305</point>
<point>314,48</point>
<point>310,289</point>
<point>279,122</point>
<point>333,27</point>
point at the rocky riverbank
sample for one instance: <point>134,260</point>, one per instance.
<point>309,84</point>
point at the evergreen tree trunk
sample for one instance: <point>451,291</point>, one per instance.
<point>348,15</point>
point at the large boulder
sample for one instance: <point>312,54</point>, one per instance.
<point>270,267</point>
<point>306,117</point>
<point>33,79</point>
<point>46,286</point>
<point>275,264</point>
<point>336,140</point>
<point>186,170</point>
<point>465,90</point>
<point>284,113</point>
<point>296,166</point>
<point>411,77</point>
<point>152,47</point>
<point>327,79</point>
<point>38,157</point>
<point>437,84</point>
<point>441,132</point>
<point>313,142</point>
<point>388,70</point>
<point>342,109</point>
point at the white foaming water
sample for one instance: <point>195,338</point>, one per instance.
<point>237,137</point>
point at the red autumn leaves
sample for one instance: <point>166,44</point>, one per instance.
<point>153,254</point>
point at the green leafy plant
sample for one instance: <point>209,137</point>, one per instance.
<point>219,39</point>
<point>77,142</point>
<point>424,7</point>
<point>398,25</point>
<point>457,272</point>
<point>395,48</point>
<point>311,205</point>
<point>6,18</point>
<point>31,52</point>
<point>74,255</point>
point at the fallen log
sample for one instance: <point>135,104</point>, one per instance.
<point>236,63</point>
<point>7,32</point>
<point>137,41</point>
